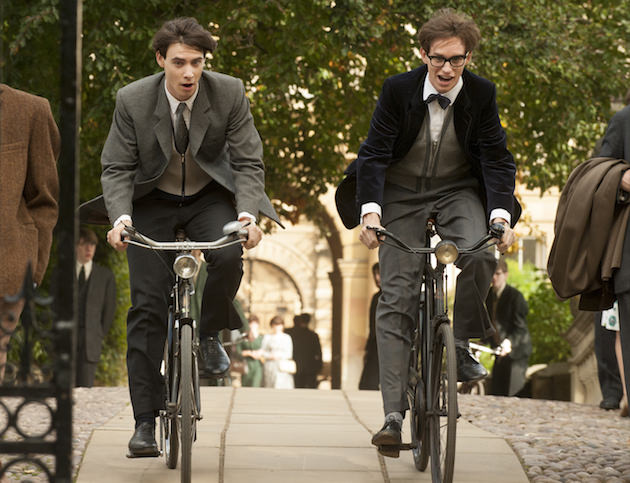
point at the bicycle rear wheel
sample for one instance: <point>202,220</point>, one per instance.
<point>186,392</point>
<point>418,421</point>
<point>442,414</point>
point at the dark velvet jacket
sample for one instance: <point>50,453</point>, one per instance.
<point>395,124</point>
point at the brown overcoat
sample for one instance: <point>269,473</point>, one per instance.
<point>589,231</point>
<point>29,186</point>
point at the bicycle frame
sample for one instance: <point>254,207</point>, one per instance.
<point>432,389</point>
<point>180,362</point>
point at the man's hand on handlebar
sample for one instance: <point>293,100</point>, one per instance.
<point>254,234</point>
<point>115,237</point>
<point>508,237</point>
<point>368,236</point>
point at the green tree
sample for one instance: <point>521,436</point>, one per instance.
<point>313,70</point>
<point>548,318</point>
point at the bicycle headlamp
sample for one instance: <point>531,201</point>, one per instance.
<point>446,252</point>
<point>185,265</point>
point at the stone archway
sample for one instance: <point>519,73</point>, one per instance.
<point>287,274</point>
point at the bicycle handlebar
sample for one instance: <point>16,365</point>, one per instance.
<point>233,233</point>
<point>494,235</point>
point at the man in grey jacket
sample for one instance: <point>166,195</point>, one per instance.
<point>182,151</point>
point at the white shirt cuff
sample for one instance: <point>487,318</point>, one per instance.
<point>370,207</point>
<point>244,214</point>
<point>501,213</point>
<point>122,218</point>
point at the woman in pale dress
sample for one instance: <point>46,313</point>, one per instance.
<point>277,348</point>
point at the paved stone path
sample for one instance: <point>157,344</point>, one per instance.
<point>555,441</point>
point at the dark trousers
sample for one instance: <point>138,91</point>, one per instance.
<point>624,333</point>
<point>305,381</point>
<point>369,375</point>
<point>462,219</point>
<point>607,367</point>
<point>85,370</point>
<point>157,215</point>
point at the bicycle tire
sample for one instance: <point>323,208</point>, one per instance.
<point>186,402</point>
<point>443,411</point>
<point>168,419</point>
<point>418,422</point>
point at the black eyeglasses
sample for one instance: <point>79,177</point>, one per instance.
<point>455,61</point>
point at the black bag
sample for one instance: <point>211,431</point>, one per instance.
<point>346,201</point>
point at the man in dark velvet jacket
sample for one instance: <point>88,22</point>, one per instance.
<point>435,146</point>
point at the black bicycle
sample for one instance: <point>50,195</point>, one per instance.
<point>182,402</point>
<point>432,389</point>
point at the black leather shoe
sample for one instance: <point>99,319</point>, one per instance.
<point>388,439</point>
<point>142,443</point>
<point>214,359</point>
<point>468,368</point>
<point>609,404</point>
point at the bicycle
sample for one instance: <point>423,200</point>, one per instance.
<point>182,402</point>
<point>477,388</point>
<point>432,391</point>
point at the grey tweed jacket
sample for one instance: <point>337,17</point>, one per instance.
<point>223,141</point>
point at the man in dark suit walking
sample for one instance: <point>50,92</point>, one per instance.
<point>508,311</point>
<point>616,144</point>
<point>435,145</point>
<point>96,307</point>
<point>307,352</point>
<point>182,151</point>
<point>369,374</point>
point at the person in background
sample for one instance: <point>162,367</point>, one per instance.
<point>508,312</point>
<point>277,351</point>
<point>610,322</point>
<point>29,190</point>
<point>250,350</point>
<point>606,337</point>
<point>307,352</point>
<point>96,307</point>
<point>369,375</point>
<point>616,144</point>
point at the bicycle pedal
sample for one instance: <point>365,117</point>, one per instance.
<point>389,451</point>
<point>407,446</point>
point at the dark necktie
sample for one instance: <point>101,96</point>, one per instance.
<point>181,131</point>
<point>442,100</point>
<point>82,278</point>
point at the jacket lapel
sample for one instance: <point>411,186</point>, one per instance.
<point>416,111</point>
<point>163,127</point>
<point>199,117</point>
<point>462,117</point>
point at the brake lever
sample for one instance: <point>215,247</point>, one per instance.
<point>129,231</point>
<point>378,231</point>
<point>497,230</point>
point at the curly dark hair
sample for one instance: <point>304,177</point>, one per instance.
<point>446,23</point>
<point>184,30</point>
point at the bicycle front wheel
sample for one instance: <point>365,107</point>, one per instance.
<point>168,418</point>
<point>418,421</point>
<point>443,405</point>
<point>186,392</point>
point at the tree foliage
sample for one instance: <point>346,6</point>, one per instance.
<point>313,70</point>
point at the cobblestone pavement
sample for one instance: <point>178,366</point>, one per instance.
<point>556,441</point>
<point>92,408</point>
